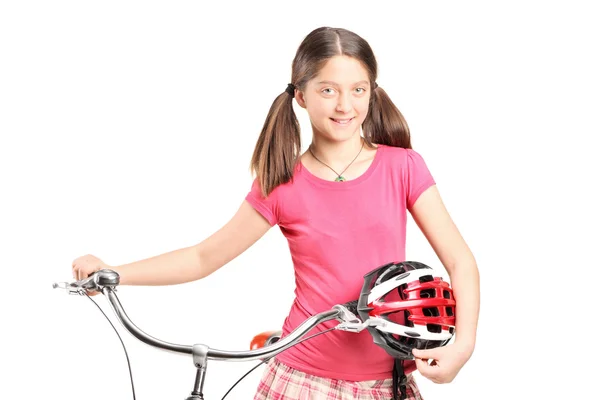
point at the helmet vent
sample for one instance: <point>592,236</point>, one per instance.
<point>407,320</point>
<point>401,290</point>
<point>427,293</point>
<point>426,278</point>
<point>434,328</point>
<point>431,312</point>
<point>446,294</point>
<point>449,312</point>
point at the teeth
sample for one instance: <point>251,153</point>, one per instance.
<point>342,121</point>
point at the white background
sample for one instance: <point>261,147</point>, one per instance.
<point>127,131</point>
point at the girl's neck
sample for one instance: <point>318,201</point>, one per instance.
<point>336,153</point>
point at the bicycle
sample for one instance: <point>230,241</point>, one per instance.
<point>263,346</point>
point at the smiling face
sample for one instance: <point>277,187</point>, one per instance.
<point>337,99</point>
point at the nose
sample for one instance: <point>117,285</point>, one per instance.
<point>344,104</point>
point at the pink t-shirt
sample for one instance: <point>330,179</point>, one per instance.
<point>337,232</point>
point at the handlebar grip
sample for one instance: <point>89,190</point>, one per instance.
<point>352,306</point>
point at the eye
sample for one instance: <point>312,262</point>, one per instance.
<point>326,91</point>
<point>361,90</point>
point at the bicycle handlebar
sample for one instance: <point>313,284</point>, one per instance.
<point>105,281</point>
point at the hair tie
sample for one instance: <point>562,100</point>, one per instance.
<point>290,89</point>
<point>375,85</point>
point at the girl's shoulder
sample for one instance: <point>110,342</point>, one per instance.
<point>398,154</point>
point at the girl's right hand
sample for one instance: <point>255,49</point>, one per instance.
<point>85,266</point>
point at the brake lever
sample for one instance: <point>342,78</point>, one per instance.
<point>96,281</point>
<point>351,323</point>
<point>68,287</point>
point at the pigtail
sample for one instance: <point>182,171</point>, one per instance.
<point>385,124</point>
<point>278,146</point>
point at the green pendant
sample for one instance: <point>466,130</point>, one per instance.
<point>340,179</point>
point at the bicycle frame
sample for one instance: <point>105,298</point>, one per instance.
<point>105,281</point>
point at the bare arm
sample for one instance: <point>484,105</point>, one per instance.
<point>433,219</point>
<point>198,261</point>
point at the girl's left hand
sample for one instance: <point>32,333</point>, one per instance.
<point>445,364</point>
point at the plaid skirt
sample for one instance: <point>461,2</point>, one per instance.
<point>281,382</point>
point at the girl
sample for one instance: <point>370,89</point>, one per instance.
<point>342,207</point>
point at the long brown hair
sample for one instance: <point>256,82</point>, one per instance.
<point>278,147</point>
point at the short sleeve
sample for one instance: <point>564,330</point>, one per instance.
<point>418,177</point>
<point>266,206</point>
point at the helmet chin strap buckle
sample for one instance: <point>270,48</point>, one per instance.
<point>351,323</point>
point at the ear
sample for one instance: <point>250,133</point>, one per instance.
<point>299,96</point>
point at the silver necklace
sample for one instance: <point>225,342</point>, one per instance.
<point>339,178</point>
